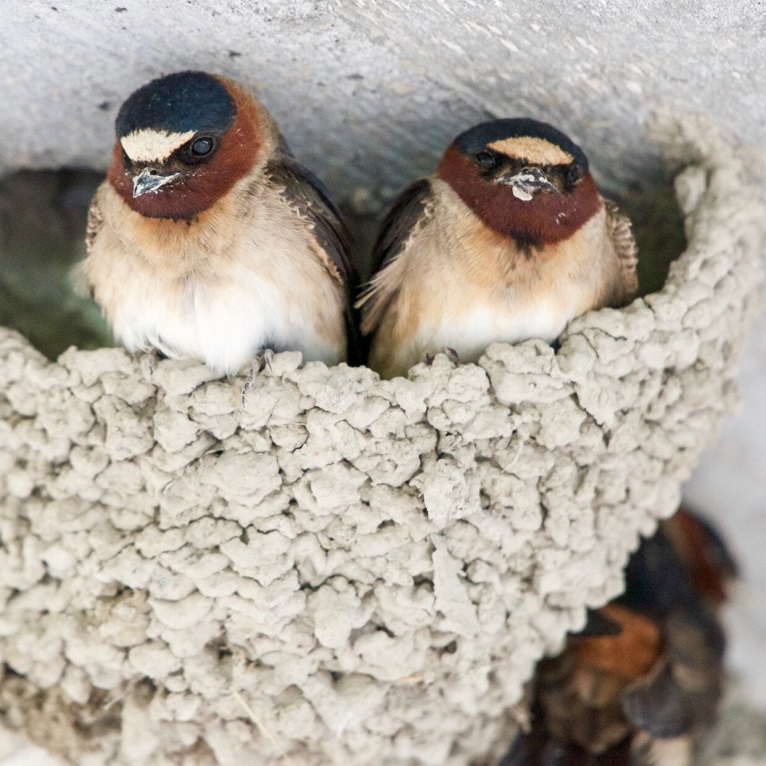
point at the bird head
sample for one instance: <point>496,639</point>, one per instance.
<point>183,141</point>
<point>523,179</point>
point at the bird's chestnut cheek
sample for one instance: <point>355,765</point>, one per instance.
<point>120,173</point>
<point>182,197</point>
<point>547,217</point>
<point>193,191</point>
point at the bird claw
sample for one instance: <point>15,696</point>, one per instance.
<point>259,364</point>
<point>150,357</point>
<point>450,353</point>
<point>264,359</point>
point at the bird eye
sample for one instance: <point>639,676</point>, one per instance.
<point>202,146</point>
<point>573,175</point>
<point>486,158</point>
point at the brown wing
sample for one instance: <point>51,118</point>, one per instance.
<point>705,554</point>
<point>307,196</point>
<point>410,211</point>
<point>618,227</point>
<point>77,277</point>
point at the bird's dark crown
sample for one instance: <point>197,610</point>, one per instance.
<point>487,133</point>
<point>178,103</point>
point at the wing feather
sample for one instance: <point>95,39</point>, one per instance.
<point>77,276</point>
<point>411,210</point>
<point>95,221</point>
<point>619,231</point>
<point>307,196</point>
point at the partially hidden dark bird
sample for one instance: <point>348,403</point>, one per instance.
<point>208,239</point>
<point>510,239</point>
<point>640,685</point>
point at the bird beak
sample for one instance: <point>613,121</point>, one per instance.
<point>149,180</point>
<point>528,182</point>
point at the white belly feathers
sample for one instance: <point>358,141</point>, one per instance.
<point>225,322</point>
<point>471,332</point>
<point>220,292</point>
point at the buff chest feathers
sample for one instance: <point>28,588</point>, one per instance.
<point>208,239</point>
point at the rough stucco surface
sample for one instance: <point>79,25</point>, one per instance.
<point>370,568</point>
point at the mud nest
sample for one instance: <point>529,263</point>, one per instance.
<point>328,567</point>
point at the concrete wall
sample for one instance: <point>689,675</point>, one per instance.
<point>368,93</point>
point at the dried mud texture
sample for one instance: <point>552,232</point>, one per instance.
<point>319,567</point>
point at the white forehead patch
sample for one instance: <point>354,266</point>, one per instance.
<point>538,151</point>
<point>147,145</point>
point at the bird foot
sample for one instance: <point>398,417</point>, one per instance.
<point>264,359</point>
<point>259,364</point>
<point>150,357</point>
<point>450,353</point>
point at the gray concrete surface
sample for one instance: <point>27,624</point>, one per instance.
<point>369,92</point>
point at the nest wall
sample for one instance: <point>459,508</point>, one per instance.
<point>316,565</point>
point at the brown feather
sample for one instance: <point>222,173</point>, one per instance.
<point>619,231</point>
<point>641,697</point>
<point>548,218</point>
<point>309,200</point>
<point>95,222</point>
<point>407,216</point>
<point>629,654</point>
<point>307,197</point>
<point>705,556</point>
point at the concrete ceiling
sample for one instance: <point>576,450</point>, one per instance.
<point>368,93</point>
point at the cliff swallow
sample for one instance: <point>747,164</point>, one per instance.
<point>642,682</point>
<point>509,240</point>
<point>208,239</point>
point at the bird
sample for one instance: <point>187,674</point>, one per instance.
<point>208,239</point>
<point>510,239</point>
<point>641,683</point>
